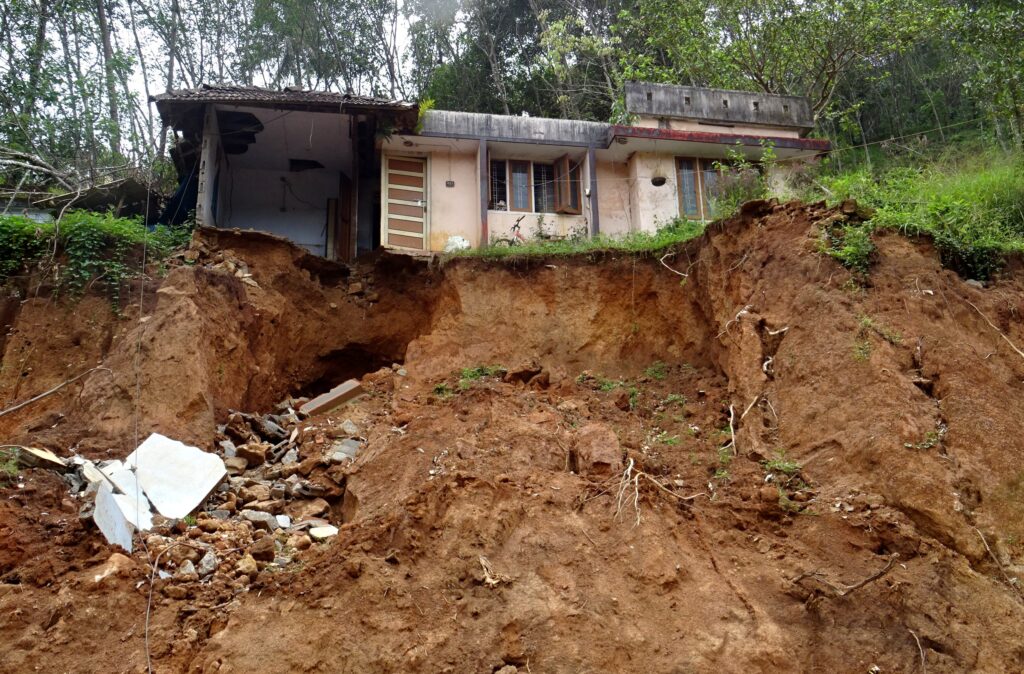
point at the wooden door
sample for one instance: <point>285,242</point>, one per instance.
<point>405,207</point>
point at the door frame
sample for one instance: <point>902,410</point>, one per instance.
<point>385,195</point>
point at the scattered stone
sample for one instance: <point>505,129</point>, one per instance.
<point>291,456</point>
<point>304,510</point>
<point>299,541</point>
<point>508,669</point>
<point>349,428</point>
<point>247,567</point>
<point>208,564</point>
<point>323,533</point>
<point>283,521</point>
<point>345,451</point>
<point>236,465</point>
<point>254,453</point>
<point>260,519</point>
<point>598,451</point>
<point>263,549</point>
<point>355,289</point>
<point>187,572</point>
<point>522,373</point>
<point>271,429</point>
<point>219,514</point>
<point>974,283</point>
<point>228,448</point>
<point>117,565</point>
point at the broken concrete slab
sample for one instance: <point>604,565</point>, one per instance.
<point>133,502</point>
<point>175,476</point>
<point>337,396</point>
<point>110,519</point>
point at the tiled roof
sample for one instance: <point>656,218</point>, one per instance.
<point>248,95</point>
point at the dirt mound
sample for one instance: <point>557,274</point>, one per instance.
<point>761,466</point>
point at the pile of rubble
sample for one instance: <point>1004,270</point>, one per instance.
<point>274,488</point>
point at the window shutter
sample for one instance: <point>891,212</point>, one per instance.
<point>567,187</point>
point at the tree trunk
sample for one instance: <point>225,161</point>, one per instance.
<point>172,56</point>
<point>35,61</point>
<point>111,80</point>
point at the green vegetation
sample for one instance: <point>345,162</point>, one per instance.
<point>471,374</point>
<point>931,438</point>
<point>675,399</point>
<point>8,464</point>
<point>666,439</point>
<point>443,391</point>
<point>861,349</point>
<point>851,245</point>
<point>780,464</point>
<point>674,232</point>
<point>657,371</point>
<point>888,334</point>
<point>84,249</point>
<point>968,199</point>
<point>189,520</point>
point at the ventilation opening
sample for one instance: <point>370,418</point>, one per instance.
<point>299,165</point>
<point>351,362</point>
<point>649,97</point>
<point>785,108</point>
<point>725,102</point>
<point>757,106</point>
<point>686,100</point>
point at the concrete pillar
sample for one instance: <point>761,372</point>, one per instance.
<point>208,169</point>
<point>595,214</point>
<point>484,173</point>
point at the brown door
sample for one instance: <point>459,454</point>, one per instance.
<point>405,211</point>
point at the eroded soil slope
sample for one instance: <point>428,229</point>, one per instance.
<point>765,466</point>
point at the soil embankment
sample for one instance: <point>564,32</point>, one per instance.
<point>760,466</point>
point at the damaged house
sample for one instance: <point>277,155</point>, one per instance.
<point>342,175</point>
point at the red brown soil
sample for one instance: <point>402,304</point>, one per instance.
<point>898,400</point>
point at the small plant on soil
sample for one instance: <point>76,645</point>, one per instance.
<point>675,399</point>
<point>851,245</point>
<point>722,474</point>
<point>788,504</point>
<point>189,520</point>
<point>657,371</point>
<point>861,349</point>
<point>607,385</point>
<point>931,438</point>
<point>886,333</point>
<point>666,439</point>
<point>725,455</point>
<point>443,391</point>
<point>471,374</point>
<point>8,464</point>
<point>780,464</point>
<point>634,397</point>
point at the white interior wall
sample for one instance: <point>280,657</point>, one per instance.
<point>259,192</point>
